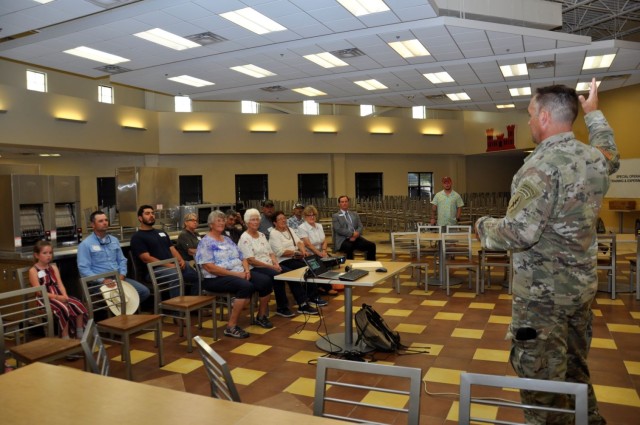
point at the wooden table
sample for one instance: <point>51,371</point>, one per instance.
<point>343,341</point>
<point>56,395</point>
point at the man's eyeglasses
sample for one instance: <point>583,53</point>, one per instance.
<point>105,241</point>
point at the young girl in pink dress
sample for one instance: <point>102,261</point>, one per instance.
<point>70,312</point>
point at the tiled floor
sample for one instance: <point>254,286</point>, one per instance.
<point>463,332</point>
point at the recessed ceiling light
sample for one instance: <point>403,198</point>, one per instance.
<point>253,20</point>
<point>167,39</point>
<point>514,70</point>
<point>309,91</point>
<point>439,77</point>
<point>409,48</point>
<point>506,106</point>
<point>364,7</point>
<point>593,62</point>
<point>43,1</point>
<point>586,86</point>
<point>96,55</point>
<point>372,84</point>
<point>191,81</point>
<point>326,60</point>
<point>520,91</point>
<point>253,71</point>
<point>458,96</point>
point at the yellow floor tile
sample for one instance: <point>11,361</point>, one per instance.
<point>340,309</point>
<point>209,324</point>
<point>483,306</point>
<point>305,356</point>
<point>596,312</point>
<point>207,339</point>
<point>630,329</point>
<point>306,335</point>
<point>467,333</point>
<point>505,297</point>
<point>433,303</point>
<point>411,329</point>
<point>607,301</point>
<point>302,386</point>
<point>421,292</point>
<point>617,395</point>
<point>251,349</point>
<point>136,356</point>
<point>464,295</point>
<point>388,300</point>
<point>443,376</point>
<point>501,356</point>
<point>477,411</point>
<point>244,376</point>
<point>341,297</point>
<point>182,366</point>
<point>259,330</point>
<point>380,290</point>
<point>635,314</point>
<point>603,343</point>
<point>448,316</point>
<point>151,336</point>
<point>380,398</point>
<point>398,312</point>
<point>632,367</point>
<point>504,320</point>
<point>305,318</point>
<point>433,349</point>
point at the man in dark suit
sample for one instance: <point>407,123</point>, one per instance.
<point>347,232</point>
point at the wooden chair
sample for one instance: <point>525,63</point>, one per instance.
<point>123,325</point>
<point>348,395</point>
<point>467,380</point>
<point>20,315</point>
<point>95,352</point>
<point>167,281</point>
<point>457,254</point>
<point>222,385</point>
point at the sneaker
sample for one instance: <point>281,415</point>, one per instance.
<point>236,332</point>
<point>264,322</point>
<point>319,302</point>
<point>307,309</point>
<point>285,312</point>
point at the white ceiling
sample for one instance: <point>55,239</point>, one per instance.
<point>469,50</point>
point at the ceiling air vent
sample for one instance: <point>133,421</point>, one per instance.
<point>273,89</point>
<point>616,77</point>
<point>437,97</point>
<point>16,36</point>
<point>541,65</point>
<point>205,38</point>
<point>348,53</point>
<point>112,69</point>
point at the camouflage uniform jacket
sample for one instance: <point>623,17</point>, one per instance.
<point>550,224</point>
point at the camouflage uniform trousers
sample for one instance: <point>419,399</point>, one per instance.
<point>558,352</point>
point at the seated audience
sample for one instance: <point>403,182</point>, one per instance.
<point>233,227</point>
<point>296,219</point>
<point>226,270</point>
<point>348,229</point>
<point>189,237</point>
<point>266,218</point>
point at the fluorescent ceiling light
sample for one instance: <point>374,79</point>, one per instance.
<point>439,77</point>
<point>96,55</point>
<point>253,71</point>
<point>364,7</point>
<point>520,91</point>
<point>49,154</point>
<point>43,1</point>
<point>253,20</point>
<point>506,106</point>
<point>586,86</point>
<point>167,39</point>
<point>372,84</point>
<point>191,81</point>
<point>409,48</point>
<point>326,60</point>
<point>593,62</point>
<point>458,96</point>
<point>514,70</point>
<point>309,91</point>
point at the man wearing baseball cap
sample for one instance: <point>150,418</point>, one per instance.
<point>296,219</point>
<point>446,205</point>
<point>266,224</point>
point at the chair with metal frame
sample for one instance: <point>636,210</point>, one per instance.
<point>457,254</point>
<point>429,245</point>
<point>95,353</point>
<point>123,325</point>
<point>166,283</point>
<point>607,260</point>
<point>222,385</point>
<point>467,380</point>
<point>405,244</point>
<point>21,314</point>
<point>633,270</point>
<point>339,385</point>
<point>494,258</point>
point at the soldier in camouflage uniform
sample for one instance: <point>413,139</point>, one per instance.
<point>550,227</point>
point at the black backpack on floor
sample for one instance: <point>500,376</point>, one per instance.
<point>374,331</point>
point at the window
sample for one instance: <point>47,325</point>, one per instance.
<point>368,185</point>
<point>105,94</point>
<point>182,104</point>
<point>250,107</point>
<point>251,187</point>
<point>312,186</point>
<point>420,185</point>
<point>310,107</point>
<point>366,110</point>
<point>36,81</point>
<point>190,190</point>
<point>106,192</point>
<point>419,112</point>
